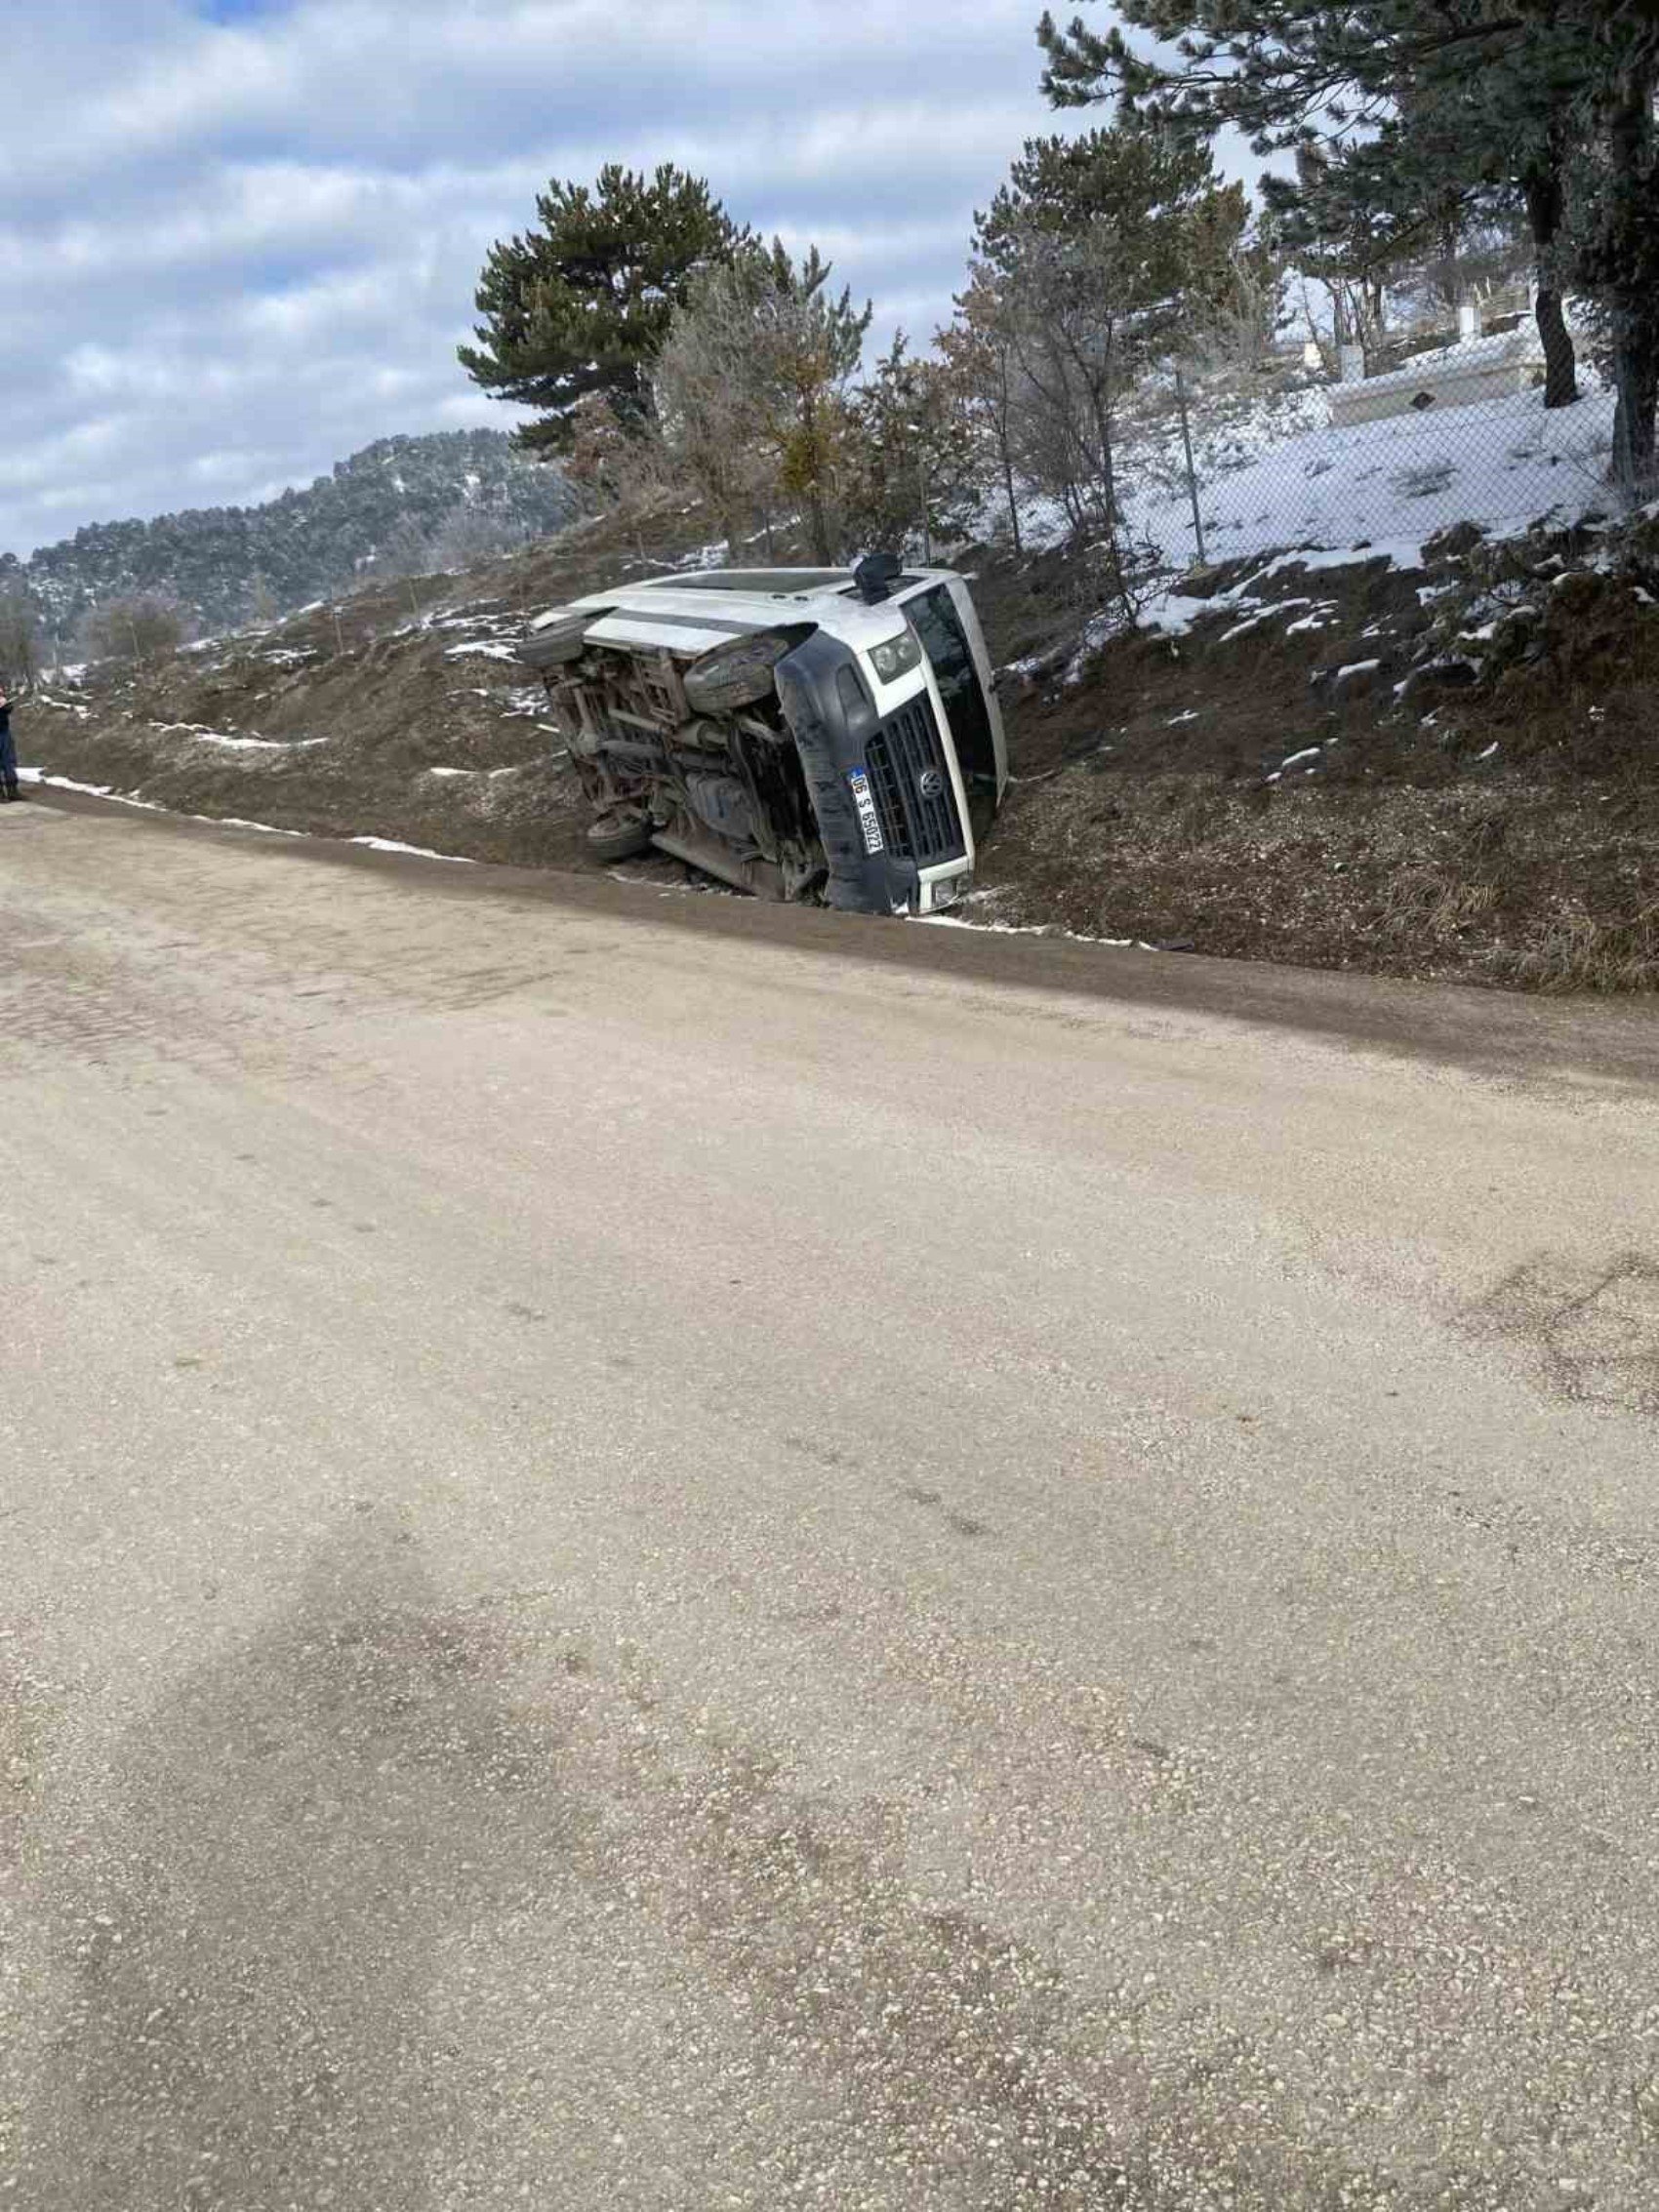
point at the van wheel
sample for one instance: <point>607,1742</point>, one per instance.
<point>557,643</point>
<point>619,837</point>
<point>733,675</point>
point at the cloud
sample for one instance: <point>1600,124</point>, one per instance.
<point>248,242</point>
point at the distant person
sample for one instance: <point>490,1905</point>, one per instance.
<point>8,749</point>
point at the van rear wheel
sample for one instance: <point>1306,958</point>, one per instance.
<point>619,837</point>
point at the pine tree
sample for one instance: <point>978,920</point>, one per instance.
<point>581,304</point>
<point>1409,112</point>
<point>978,349</point>
<point>1547,100</point>
<point>1619,236</point>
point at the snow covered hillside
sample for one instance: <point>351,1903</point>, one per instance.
<point>1277,473</point>
<point>1502,464</point>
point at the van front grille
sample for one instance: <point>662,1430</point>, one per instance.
<point>910,784</point>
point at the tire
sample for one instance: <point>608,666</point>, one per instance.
<point>560,642</point>
<point>619,837</point>
<point>739,674</point>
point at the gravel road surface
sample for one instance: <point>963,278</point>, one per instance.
<point>665,1556</point>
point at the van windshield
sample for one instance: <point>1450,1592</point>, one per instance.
<point>934,617</point>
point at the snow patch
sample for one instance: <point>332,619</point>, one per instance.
<point>92,790</point>
<point>1318,618</point>
<point>208,737</point>
<point>420,852</point>
<point>1025,929</point>
<point>1249,624</point>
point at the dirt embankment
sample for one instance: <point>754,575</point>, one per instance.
<point>1441,770</point>
<point>402,713</point>
<point>1438,771</point>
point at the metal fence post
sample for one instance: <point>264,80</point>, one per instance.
<point>1192,473</point>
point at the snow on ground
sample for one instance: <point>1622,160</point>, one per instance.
<point>105,792</point>
<point>208,737</point>
<point>1280,475</point>
<point>421,852</point>
<point>1503,464</point>
<point>1173,613</point>
<point>1023,929</point>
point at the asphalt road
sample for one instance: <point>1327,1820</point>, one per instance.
<point>664,1555</point>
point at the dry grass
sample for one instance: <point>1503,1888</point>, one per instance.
<point>1427,904</point>
<point>1579,951</point>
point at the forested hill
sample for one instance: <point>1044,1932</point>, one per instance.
<point>400,502</point>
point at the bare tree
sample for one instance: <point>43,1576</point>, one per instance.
<point>1108,254</point>
<point>406,550</point>
<point>20,638</point>
<point>619,468</point>
<point>714,408</point>
<point>470,534</point>
<point>141,626</point>
<point>263,603</point>
<point>755,381</point>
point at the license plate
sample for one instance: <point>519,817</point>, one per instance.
<point>868,820</point>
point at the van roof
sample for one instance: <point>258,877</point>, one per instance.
<point>787,582</point>
<point>691,611</point>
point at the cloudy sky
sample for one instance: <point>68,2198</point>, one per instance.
<point>240,237</point>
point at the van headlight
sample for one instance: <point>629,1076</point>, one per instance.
<point>895,657</point>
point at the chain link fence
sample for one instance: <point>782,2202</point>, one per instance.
<point>1219,468</point>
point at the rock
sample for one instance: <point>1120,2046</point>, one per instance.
<point>1354,670</point>
<point>1436,679</point>
<point>1453,544</point>
<point>1360,679</point>
<point>1201,583</point>
<point>1577,594</point>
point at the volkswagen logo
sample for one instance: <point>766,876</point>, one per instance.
<point>931,783</point>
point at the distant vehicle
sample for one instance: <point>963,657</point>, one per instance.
<point>823,735</point>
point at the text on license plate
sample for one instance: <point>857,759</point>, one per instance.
<point>869,820</point>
